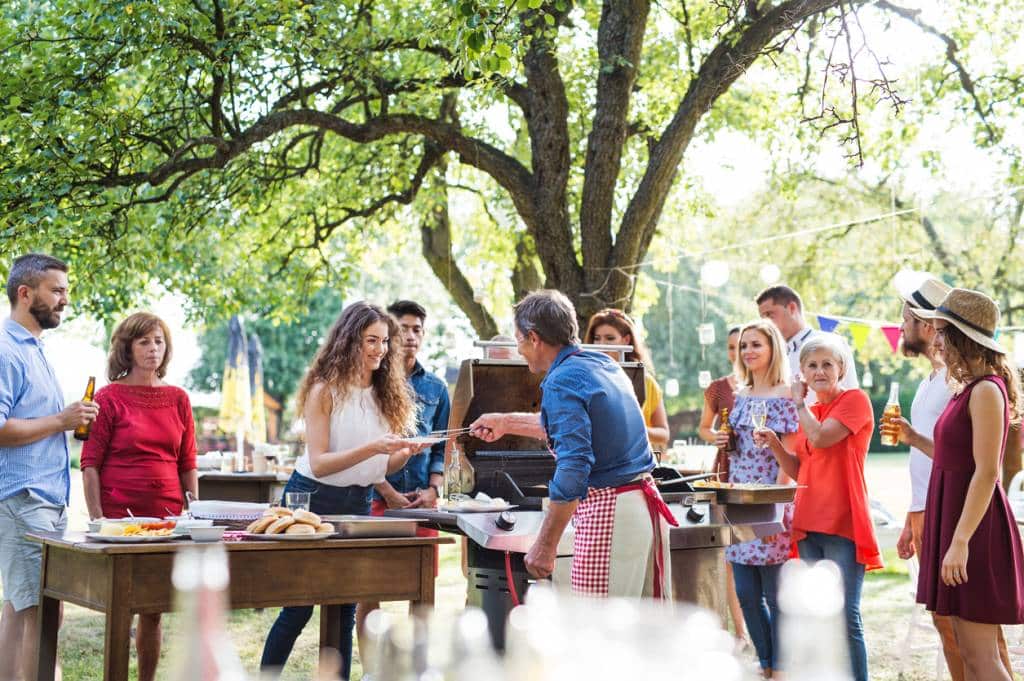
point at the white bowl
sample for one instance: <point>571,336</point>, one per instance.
<point>186,525</point>
<point>207,534</point>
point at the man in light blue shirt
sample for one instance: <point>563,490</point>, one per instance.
<point>34,467</point>
<point>591,420</point>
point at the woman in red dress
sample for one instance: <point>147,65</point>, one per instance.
<point>141,454</point>
<point>972,566</point>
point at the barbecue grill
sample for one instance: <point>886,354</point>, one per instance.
<point>518,470</point>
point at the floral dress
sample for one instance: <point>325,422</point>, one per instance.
<point>750,463</point>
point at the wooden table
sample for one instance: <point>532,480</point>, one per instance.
<point>122,579</point>
<point>255,487</point>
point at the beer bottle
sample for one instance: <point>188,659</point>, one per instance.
<point>892,410</point>
<point>723,424</point>
<point>82,431</point>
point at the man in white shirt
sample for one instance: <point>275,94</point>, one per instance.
<point>782,306</point>
<point>929,402</point>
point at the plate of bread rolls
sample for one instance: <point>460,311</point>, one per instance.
<point>279,523</point>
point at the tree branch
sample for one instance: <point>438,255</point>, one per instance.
<point>620,38</point>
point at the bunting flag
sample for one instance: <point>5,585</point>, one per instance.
<point>892,334</point>
<point>827,324</point>
<point>859,332</point>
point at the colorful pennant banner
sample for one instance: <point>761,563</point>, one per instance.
<point>827,324</point>
<point>892,334</point>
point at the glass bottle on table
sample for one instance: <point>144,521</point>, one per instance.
<point>889,430</point>
<point>82,431</point>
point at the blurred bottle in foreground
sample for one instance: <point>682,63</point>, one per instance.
<point>813,629</point>
<point>890,433</point>
<point>204,651</point>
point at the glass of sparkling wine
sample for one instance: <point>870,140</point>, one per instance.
<point>758,414</point>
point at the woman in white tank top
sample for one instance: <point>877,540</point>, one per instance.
<point>358,409</point>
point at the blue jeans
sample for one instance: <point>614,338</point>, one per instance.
<point>843,552</point>
<point>757,589</point>
<point>324,499</point>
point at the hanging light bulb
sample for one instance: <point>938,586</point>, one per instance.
<point>706,334</point>
<point>714,273</point>
<point>672,387</point>
<point>704,379</point>
<point>867,380</point>
<point>478,297</point>
<point>770,273</point>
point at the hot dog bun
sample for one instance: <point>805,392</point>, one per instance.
<point>300,528</point>
<point>280,525</point>
<point>306,517</point>
<point>260,525</point>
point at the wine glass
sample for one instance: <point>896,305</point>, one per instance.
<point>758,414</point>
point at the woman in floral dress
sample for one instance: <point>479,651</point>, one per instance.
<point>763,371</point>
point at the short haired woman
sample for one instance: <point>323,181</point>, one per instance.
<point>831,516</point>
<point>358,407</point>
<point>141,454</point>
<point>615,327</point>
<point>762,371</point>
<point>972,565</point>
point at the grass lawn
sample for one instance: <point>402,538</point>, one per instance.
<point>886,605</point>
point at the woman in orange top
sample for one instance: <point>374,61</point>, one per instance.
<point>832,518</point>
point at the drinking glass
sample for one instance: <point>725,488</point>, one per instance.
<point>758,414</point>
<point>297,500</point>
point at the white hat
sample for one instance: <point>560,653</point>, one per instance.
<point>923,292</point>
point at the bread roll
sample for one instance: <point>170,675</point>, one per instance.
<point>325,527</point>
<point>280,525</point>
<point>260,525</point>
<point>306,517</point>
<point>277,512</point>
<point>300,528</point>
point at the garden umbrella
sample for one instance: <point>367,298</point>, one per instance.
<point>236,401</point>
<point>258,424</point>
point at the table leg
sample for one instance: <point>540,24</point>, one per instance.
<point>48,623</point>
<point>330,635</point>
<point>117,637</point>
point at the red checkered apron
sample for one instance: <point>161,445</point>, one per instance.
<point>594,521</point>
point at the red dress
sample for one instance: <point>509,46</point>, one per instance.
<point>994,592</point>
<point>141,443</point>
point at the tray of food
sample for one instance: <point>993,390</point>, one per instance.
<point>748,492</point>
<point>357,526</point>
<point>278,523</point>
<point>133,533</point>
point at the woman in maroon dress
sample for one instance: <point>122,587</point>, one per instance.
<point>141,454</point>
<point>972,567</point>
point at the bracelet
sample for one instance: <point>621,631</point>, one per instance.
<point>437,490</point>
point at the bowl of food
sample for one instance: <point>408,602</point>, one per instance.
<point>207,534</point>
<point>96,525</point>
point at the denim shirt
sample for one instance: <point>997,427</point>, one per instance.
<point>433,407</point>
<point>594,424</point>
<point>29,390</point>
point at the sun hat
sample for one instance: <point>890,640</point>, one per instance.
<point>922,292</point>
<point>974,313</point>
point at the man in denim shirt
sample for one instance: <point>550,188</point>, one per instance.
<point>34,468</point>
<point>591,419</point>
<point>418,483</point>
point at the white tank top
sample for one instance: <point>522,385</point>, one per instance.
<point>354,422</point>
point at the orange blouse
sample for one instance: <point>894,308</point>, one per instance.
<point>833,497</point>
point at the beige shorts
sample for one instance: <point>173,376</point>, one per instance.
<point>21,559</point>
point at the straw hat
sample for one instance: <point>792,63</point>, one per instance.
<point>923,292</point>
<point>972,312</point>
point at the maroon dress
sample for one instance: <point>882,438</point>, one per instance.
<point>994,592</point>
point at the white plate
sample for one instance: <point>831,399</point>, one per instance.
<point>138,539</point>
<point>477,507</point>
<point>289,537</point>
<point>425,440</point>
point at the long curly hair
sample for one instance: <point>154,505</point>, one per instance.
<point>960,349</point>
<point>624,324</point>
<point>337,366</point>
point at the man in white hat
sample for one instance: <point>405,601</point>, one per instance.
<point>921,297</point>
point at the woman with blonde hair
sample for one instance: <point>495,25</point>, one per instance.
<point>615,327</point>
<point>762,371</point>
<point>972,565</point>
<point>358,409</point>
<point>140,457</point>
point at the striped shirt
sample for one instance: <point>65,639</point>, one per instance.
<point>28,390</point>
